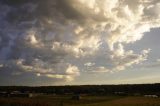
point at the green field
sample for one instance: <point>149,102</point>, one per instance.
<point>84,101</point>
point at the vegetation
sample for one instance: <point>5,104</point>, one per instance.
<point>90,95</point>
<point>89,89</point>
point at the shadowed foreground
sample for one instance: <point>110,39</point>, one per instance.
<point>84,101</point>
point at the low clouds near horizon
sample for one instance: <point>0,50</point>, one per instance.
<point>60,39</point>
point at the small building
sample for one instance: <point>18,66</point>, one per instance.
<point>34,94</point>
<point>19,94</point>
<point>76,97</point>
<point>4,94</point>
<point>151,96</point>
<point>136,94</point>
<point>120,93</point>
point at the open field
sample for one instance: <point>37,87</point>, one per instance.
<point>84,101</point>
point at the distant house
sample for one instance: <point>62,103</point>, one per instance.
<point>19,94</point>
<point>35,94</point>
<point>4,94</point>
<point>136,94</point>
<point>120,93</point>
<point>152,96</point>
<point>76,97</point>
<point>68,93</point>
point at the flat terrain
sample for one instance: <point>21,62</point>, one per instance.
<point>62,100</point>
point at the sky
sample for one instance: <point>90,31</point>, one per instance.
<point>79,42</point>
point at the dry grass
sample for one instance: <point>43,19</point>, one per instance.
<point>85,101</point>
<point>22,102</point>
<point>130,101</point>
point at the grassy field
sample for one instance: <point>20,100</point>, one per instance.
<point>84,101</point>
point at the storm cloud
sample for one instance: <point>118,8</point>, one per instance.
<point>60,39</point>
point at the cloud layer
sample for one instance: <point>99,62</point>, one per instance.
<point>60,39</point>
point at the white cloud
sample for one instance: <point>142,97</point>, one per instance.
<point>72,70</point>
<point>89,64</point>
<point>1,65</point>
<point>128,59</point>
<point>101,69</point>
<point>158,60</point>
<point>54,76</point>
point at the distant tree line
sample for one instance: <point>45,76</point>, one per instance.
<point>89,89</point>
